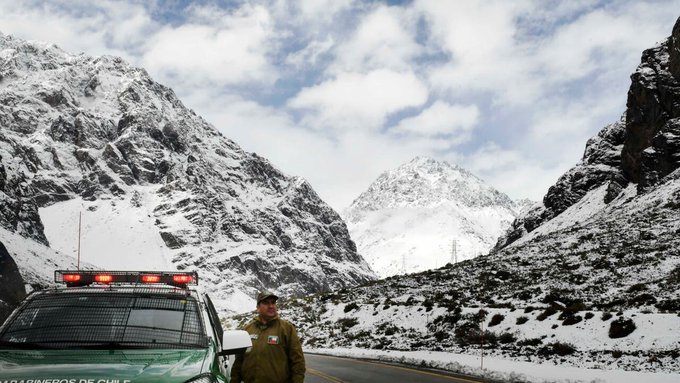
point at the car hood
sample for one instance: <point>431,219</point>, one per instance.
<point>101,366</point>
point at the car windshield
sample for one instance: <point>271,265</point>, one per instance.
<point>99,318</point>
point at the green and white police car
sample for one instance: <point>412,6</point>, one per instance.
<point>118,327</point>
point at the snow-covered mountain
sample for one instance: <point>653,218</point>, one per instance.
<point>590,277</point>
<point>158,187</point>
<point>411,217</point>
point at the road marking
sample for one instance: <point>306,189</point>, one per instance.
<point>324,376</point>
<point>456,379</point>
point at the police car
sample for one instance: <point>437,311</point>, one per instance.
<point>118,327</point>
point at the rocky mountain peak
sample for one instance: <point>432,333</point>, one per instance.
<point>410,217</point>
<point>427,182</point>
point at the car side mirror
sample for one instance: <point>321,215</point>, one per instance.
<point>236,342</point>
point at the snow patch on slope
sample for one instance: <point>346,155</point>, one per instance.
<point>115,234</point>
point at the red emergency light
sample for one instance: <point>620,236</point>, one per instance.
<point>151,278</point>
<point>74,278</point>
<point>70,278</point>
<point>103,278</point>
<point>182,279</point>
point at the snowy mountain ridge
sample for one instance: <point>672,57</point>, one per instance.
<point>425,182</point>
<point>156,184</point>
<point>411,217</point>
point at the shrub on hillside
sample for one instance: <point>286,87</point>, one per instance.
<point>621,327</point>
<point>557,348</point>
<point>546,313</point>
<point>637,288</point>
<point>589,315</point>
<point>441,335</point>
<point>674,275</point>
<point>530,342</point>
<point>449,319</point>
<point>351,306</point>
<point>496,319</point>
<point>571,320</point>
<point>522,320</point>
<point>564,296</point>
<point>469,333</point>
<point>606,315</point>
<point>643,299</point>
<point>506,338</point>
<point>347,323</point>
<point>669,305</point>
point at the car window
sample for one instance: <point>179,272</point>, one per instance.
<point>107,320</point>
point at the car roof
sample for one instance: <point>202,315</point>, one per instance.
<point>122,289</point>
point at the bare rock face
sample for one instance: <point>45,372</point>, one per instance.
<point>97,129</point>
<point>642,148</point>
<point>601,164</point>
<point>652,140</point>
<point>12,290</point>
<point>19,212</point>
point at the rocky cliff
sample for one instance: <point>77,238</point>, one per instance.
<point>642,148</point>
<point>12,290</point>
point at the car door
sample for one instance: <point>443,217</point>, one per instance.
<point>218,332</point>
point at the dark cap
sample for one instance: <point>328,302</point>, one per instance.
<point>264,295</point>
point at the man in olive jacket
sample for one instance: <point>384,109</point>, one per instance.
<point>276,355</point>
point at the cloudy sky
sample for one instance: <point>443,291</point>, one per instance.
<point>338,91</point>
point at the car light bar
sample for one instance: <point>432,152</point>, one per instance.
<point>74,278</point>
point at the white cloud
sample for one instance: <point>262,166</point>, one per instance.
<point>513,172</point>
<point>598,42</point>
<point>359,101</point>
<point>107,27</point>
<point>521,51</point>
<point>384,39</point>
<point>310,54</point>
<point>442,118</point>
<point>479,38</point>
<point>321,11</point>
<point>216,47</point>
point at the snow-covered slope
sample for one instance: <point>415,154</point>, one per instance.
<point>411,218</point>
<point>158,187</point>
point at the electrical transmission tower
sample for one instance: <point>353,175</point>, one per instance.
<point>454,252</point>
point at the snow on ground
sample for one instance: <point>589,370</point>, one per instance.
<point>586,208</point>
<point>654,331</point>
<point>645,355</point>
<point>501,369</point>
<point>116,234</point>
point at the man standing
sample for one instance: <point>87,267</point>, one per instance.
<point>276,355</point>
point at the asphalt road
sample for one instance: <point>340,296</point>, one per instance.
<point>328,369</point>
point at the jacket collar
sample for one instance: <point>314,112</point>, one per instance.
<point>260,321</point>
